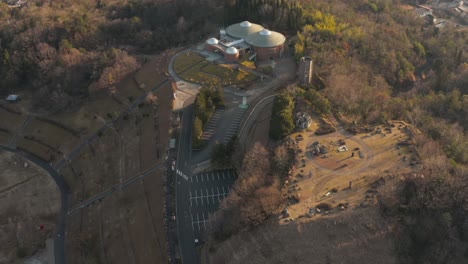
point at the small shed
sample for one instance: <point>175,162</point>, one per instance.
<point>12,98</point>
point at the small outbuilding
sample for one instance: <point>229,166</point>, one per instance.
<point>232,54</point>
<point>12,98</point>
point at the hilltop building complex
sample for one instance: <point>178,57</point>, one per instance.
<point>249,39</point>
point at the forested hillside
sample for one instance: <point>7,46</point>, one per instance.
<point>377,61</point>
<point>56,49</point>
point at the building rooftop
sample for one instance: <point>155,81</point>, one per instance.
<point>232,50</point>
<point>266,38</point>
<point>243,29</point>
<point>12,97</point>
<point>212,41</point>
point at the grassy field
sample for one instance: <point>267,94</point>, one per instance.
<point>52,135</point>
<point>11,121</point>
<point>193,68</point>
<point>153,71</point>
<point>39,149</point>
<point>127,226</point>
<point>186,60</point>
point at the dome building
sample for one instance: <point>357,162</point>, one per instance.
<point>267,44</point>
<point>210,44</point>
<point>243,29</point>
<point>232,54</point>
<point>247,38</point>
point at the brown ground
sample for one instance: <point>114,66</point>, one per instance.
<point>127,226</point>
<point>358,234</point>
<point>12,119</point>
<point>314,176</point>
<point>28,199</point>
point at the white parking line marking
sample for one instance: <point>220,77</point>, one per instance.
<point>204,222</point>
<point>212,195</point>
<point>193,228</point>
<point>201,197</point>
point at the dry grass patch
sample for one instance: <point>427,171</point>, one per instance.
<point>39,149</point>
<point>51,135</point>
<point>29,198</point>
<point>361,236</point>
<point>127,92</point>
<point>82,121</point>
<point>11,121</point>
<point>186,60</point>
<point>5,137</point>
<point>104,106</point>
<point>153,71</point>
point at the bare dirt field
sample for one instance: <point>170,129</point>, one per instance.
<point>29,206</point>
<point>326,177</point>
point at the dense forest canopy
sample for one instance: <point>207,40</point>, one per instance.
<point>56,49</point>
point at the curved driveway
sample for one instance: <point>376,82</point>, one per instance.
<point>59,239</point>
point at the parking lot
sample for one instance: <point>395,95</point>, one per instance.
<point>207,190</point>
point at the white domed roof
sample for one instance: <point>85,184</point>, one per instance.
<point>265,32</point>
<point>232,50</point>
<point>266,39</point>
<point>212,41</point>
<point>243,29</point>
<point>245,24</point>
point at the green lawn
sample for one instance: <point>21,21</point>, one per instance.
<point>185,61</point>
<point>192,68</point>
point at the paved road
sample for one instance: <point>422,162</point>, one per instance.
<point>59,239</point>
<point>183,168</point>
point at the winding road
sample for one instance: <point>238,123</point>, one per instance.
<point>59,239</point>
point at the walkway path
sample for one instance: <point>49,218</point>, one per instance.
<point>89,140</point>
<point>114,188</point>
<point>12,142</point>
